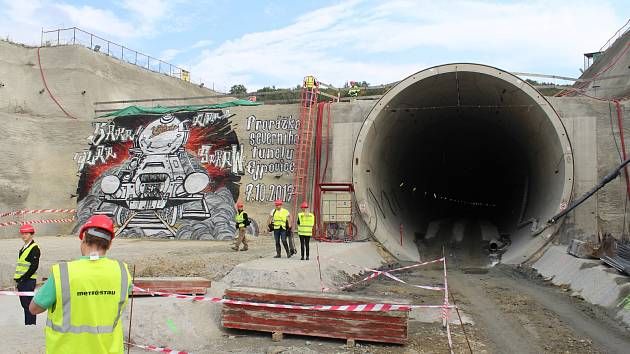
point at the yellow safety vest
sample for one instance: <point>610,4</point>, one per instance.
<point>309,82</point>
<point>91,296</point>
<point>307,221</point>
<point>240,218</point>
<point>280,219</point>
<point>22,264</point>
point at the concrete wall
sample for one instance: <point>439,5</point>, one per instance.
<point>39,141</point>
<point>40,144</point>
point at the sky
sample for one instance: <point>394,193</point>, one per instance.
<point>276,43</point>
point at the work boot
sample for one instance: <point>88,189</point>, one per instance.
<point>302,258</point>
<point>245,248</point>
<point>277,256</point>
<point>235,248</point>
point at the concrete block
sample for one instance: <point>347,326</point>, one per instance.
<point>580,249</point>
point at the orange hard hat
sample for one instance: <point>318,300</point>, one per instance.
<point>304,205</point>
<point>278,202</point>
<point>239,205</point>
<point>103,224</point>
<point>27,229</point>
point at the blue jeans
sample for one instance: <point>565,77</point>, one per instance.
<point>281,234</point>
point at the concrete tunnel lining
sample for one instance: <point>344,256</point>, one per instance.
<point>461,140</point>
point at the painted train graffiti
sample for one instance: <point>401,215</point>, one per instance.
<point>172,175</point>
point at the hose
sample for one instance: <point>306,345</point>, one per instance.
<point>41,72</point>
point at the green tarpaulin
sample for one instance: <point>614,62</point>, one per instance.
<point>137,110</point>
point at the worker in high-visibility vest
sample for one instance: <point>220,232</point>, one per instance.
<point>279,221</point>
<point>85,298</point>
<point>242,221</point>
<point>305,222</point>
<point>25,270</point>
<point>311,84</point>
<point>354,90</point>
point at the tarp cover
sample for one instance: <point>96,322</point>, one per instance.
<point>137,110</point>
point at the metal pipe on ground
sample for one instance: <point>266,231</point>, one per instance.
<point>461,153</point>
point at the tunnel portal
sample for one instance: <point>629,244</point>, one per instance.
<point>461,153</point>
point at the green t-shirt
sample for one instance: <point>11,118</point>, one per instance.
<point>46,296</point>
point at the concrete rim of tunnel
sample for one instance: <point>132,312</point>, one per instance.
<point>367,209</point>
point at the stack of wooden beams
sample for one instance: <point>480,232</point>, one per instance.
<point>178,285</point>
<point>385,327</point>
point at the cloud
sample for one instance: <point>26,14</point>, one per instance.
<point>381,42</point>
<point>169,54</point>
<point>202,43</point>
<point>23,20</point>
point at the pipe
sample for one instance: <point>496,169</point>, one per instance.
<point>462,138</point>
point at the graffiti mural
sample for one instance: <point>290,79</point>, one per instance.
<point>172,175</point>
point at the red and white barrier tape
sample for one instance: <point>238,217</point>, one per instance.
<point>155,348</point>
<point>352,307</point>
<point>376,273</point>
<point>17,293</point>
<point>45,221</point>
<point>37,211</point>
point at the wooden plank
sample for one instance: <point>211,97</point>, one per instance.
<point>331,322</point>
<point>179,285</point>
<point>320,333</point>
<point>309,298</point>
<point>372,317</point>
<point>387,327</point>
<point>346,327</point>
<point>352,298</point>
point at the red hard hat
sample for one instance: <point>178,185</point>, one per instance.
<point>304,205</point>
<point>100,221</point>
<point>27,229</point>
<point>239,205</point>
<point>278,202</point>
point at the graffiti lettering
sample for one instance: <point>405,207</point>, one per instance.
<point>107,132</point>
<point>101,155</point>
<point>258,170</point>
<point>280,123</point>
<point>262,193</point>
<point>223,159</point>
<point>204,119</point>
<point>272,153</point>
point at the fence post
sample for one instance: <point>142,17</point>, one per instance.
<point>74,35</point>
<point>107,47</point>
<point>41,42</point>
<point>58,36</point>
<point>122,53</point>
<point>136,62</point>
<point>91,37</point>
<point>148,62</point>
<point>160,66</point>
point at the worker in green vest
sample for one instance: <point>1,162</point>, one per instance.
<point>305,222</point>
<point>85,298</point>
<point>279,221</point>
<point>242,221</point>
<point>311,84</point>
<point>25,270</point>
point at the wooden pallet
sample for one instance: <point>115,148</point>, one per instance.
<point>385,327</point>
<point>179,285</point>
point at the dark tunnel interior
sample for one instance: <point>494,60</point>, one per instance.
<point>460,156</point>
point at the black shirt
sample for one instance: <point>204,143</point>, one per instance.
<point>33,258</point>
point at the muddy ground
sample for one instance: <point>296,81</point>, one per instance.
<point>512,309</point>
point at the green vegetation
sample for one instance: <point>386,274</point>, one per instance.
<point>238,90</point>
